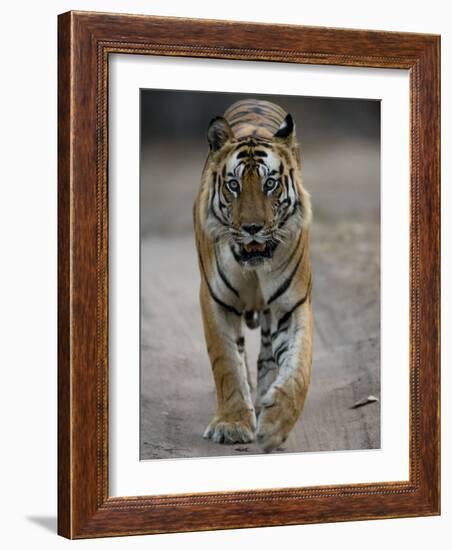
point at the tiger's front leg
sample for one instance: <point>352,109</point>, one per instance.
<point>284,400</point>
<point>234,420</point>
<point>267,368</point>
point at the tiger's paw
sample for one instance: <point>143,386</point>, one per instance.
<point>278,413</point>
<point>230,429</point>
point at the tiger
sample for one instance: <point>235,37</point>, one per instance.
<point>252,217</point>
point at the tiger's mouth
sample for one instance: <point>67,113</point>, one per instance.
<point>255,253</point>
<point>254,246</point>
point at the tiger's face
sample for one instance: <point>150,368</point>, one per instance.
<point>256,200</point>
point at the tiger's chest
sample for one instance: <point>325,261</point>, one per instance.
<point>251,289</point>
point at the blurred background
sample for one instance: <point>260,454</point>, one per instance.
<point>340,151</point>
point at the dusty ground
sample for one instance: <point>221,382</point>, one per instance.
<point>177,391</point>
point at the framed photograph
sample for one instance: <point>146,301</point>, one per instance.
<point>248,275</point>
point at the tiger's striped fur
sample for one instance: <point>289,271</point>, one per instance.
<point>252,217</point>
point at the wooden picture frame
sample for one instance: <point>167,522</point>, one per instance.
<point>85,42</point>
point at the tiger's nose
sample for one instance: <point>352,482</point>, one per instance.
<point>252,228</point>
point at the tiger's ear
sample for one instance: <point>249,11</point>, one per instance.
<point>218,133</point>
<point>286,131</point>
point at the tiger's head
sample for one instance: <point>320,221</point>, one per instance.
<point>257,202</point>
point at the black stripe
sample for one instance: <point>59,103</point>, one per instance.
<point>278,332</point>
<point>266,145</point>
<point>263,111</point>
<point>219,219</point>
<point>292,255</point>
<point>285,285</point>
<point>214,182</point>
<point>212,293</point>
<point>280,352</point>
<point>241,145</point>
<point>223,276</point>
<point>264,370</point>
<point>256,124</point>
<point>289,313</point>
<point>278,349</point>
<point>246,142</point>
<point>236,256</point>
<point>291,171</point>
<point>241,121</point>
<point>222,206</point>
<point>283,222</point>
<point>289,214</point>
<point>236,114</point>
<point>263,360</point>
<point>274,121</point>
<point>269,114</point>
<point>271,108</point>
<point>214,191</point>
<point>212,199</point>
<point>260,154</point>
<point>286,202</point>
<point>286,183</point>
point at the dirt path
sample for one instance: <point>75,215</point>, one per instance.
<point>177,391</point>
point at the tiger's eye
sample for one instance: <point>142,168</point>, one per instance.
<point>233,186</point>
<point>270,184</point>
